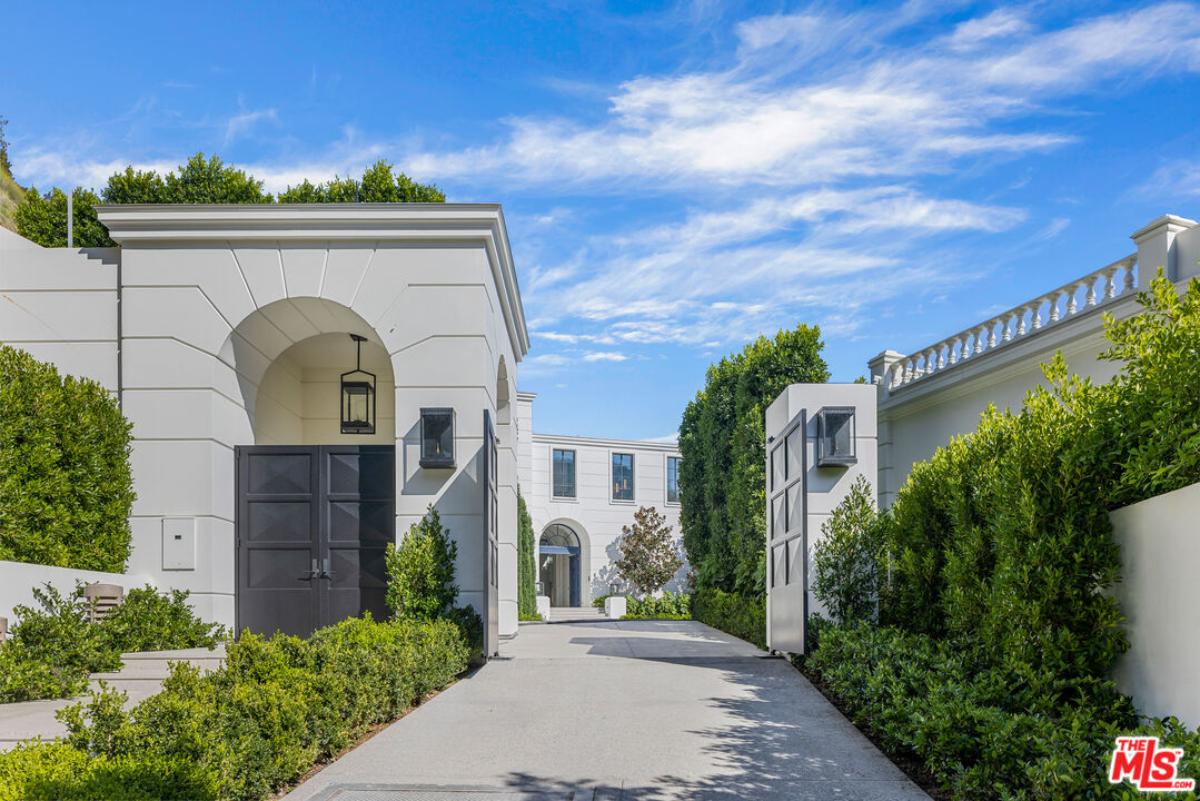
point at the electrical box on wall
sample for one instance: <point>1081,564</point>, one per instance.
<point>179,543</point>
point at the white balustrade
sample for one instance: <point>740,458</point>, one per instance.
<point>1051,308</point>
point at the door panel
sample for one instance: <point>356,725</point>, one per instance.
<point>491,612</point>
<point>787,581</point>
<point>313,525</point>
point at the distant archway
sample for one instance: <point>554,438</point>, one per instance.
<point>559,565</point>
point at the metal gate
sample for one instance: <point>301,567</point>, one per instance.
<point>491,556</point>
<point>313,524</point>
<point>787,543</point>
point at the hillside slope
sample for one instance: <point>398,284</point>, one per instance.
<point>11,194</point>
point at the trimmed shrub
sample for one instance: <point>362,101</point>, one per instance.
<point>846,560</point>
<point>421,570</point>
<point>65,485</point>
<point>739,615</point>
<point>279,705</point>
<point>526,564</point>
<point>668,606</point>
<point>54,648</point>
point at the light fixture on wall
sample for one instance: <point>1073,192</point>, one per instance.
<point>437,438</point>
<point>358,395</point>
<point>835,437</point>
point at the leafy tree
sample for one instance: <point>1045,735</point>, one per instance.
<point>846,560</point>
<point>648,559</point>
<point>378,185</point>
<point>5,164</point>
<point>65,484</point>
<point>421,571</point>
<point>526,564</point>
<point>42,218</point>
<point>723,444</point>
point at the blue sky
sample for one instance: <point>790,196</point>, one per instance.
<point>677,177</point>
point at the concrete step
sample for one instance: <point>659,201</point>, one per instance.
<point>143,672</point>
<point>563,614</point>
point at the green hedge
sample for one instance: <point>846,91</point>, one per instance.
<point>526,564</point>
<point>740,615</point>
<point>279,705</point>
<point>722,442</point>
<point>65,485</point>
<point>668,606</point>
<point>53,649</point>
<point>981,732</point>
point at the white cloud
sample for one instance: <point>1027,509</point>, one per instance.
<point>604,356</point>
<point>245,121</point>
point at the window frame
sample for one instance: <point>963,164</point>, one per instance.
<point>667,479</point>
<point>632,477</point>
<point>574,474</point>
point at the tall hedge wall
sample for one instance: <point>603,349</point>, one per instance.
<point>722,442</point>
<point>65,484</point>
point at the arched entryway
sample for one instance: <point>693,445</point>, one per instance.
<point>558,565</point>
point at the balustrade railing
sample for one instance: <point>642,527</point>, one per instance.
<point>1095,289</point>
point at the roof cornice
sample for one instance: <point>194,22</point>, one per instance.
<point>643,444</point>
<point>135,225</point>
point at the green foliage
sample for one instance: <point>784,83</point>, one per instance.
<point>243,732</point>
<point>981,732</point>
<point>421,571</point>
<point>526,564</point>
<point>722,442</point>
<point>847,560</point>
<point>42,218</point>
<point>740,615</point>
<point>54,648</point>
<point>65,485</point>
<point>648,557</point>
<point>378,185</point>
<point>668,606</point>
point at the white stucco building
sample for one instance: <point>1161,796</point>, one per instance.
<point>304,382</point>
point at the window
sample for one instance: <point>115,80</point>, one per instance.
<point>673,479</point>
<point>564,473</point>
<point>622,476</point>
<point>835,437</point>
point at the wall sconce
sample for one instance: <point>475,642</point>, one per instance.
<point>358,395</point>
<point>835,437</point>
<point>437,438</point>
<point>614,588</point>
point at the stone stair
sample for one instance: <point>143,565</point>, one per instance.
<point>142,673</point>
<point>576,614</point>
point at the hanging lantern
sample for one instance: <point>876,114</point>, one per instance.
<point>358,395</point>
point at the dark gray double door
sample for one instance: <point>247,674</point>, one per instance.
<point>313,525</point>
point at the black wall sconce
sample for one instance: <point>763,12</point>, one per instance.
<point>835,437</point>
<point>358,395</point>
<point>437,438</point>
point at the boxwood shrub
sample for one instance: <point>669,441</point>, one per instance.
<point>278,706</point>
<point>65,484</point>
<point>54,648</point>
<point>668,606</point>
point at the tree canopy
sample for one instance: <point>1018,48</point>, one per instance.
<point>41,217</point>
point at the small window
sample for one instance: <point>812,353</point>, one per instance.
<point>673,479</point>
<point>622,476</point>
<point>437,438</point>
<point>564,473</point>
<point>835,437</point>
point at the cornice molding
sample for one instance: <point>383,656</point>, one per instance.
<point>148,225</point>
<point>604,442</point>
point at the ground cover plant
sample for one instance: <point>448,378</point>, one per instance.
<point>66,489</point>
<point>974,630</point>
<point>53,648</point>
<point>245,731</point>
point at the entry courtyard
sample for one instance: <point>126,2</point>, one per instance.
<point>599,709</point>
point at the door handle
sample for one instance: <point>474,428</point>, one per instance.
<point>312,573</point>
<point>326,573</point>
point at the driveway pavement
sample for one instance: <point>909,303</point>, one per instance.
<point>619,710</point>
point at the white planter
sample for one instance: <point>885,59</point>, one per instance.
<point>543,607</point>
<point>615,606</point>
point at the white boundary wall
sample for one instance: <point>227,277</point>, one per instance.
<point>1160,554</point>
<point>18,580</point>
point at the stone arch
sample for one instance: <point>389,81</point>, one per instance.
<point>272,348</point>
<point>585,554</point>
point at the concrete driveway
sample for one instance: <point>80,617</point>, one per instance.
<point>612,710</point>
